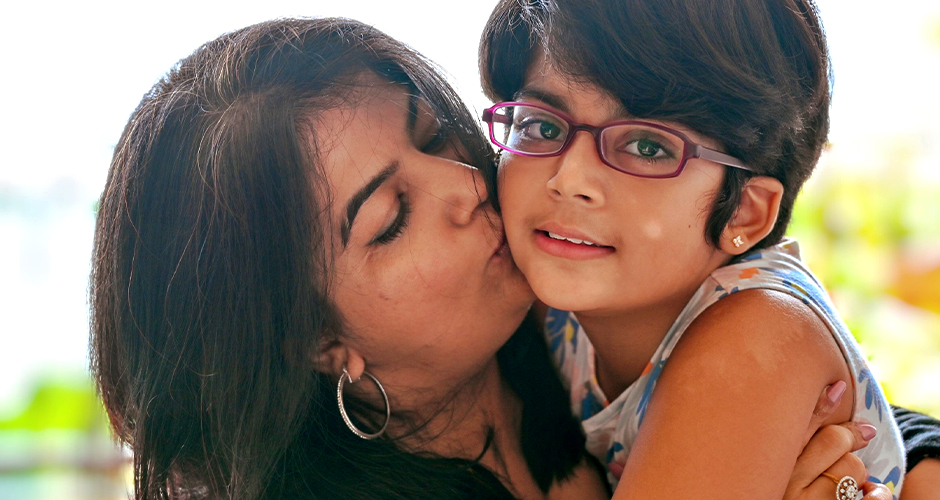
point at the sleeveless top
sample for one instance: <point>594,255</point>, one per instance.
<point>611,427</point>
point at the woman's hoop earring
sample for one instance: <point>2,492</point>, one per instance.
<point>342,408</point>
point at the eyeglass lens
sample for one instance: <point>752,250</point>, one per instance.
<point>632,148</point>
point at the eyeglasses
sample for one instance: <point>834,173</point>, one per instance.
<point>634,147</point>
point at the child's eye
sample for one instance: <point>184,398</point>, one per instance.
<point>648,148</point>
<point>539,129</point>
<point>631,143</point>
<point>394,230</point>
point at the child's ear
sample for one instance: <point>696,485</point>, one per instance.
<point>755,217</point>
<point>334,355</point>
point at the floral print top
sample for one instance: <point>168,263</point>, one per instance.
<point>611,426</point>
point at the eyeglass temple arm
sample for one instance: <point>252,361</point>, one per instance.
<point>711,155</point>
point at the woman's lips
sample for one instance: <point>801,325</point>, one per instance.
<point>561,245</point>
<point>503,249</point>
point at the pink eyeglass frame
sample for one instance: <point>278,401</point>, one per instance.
<point>690,149</point>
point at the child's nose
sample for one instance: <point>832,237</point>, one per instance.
<point>578,175</point>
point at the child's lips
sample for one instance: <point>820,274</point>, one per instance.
<point>574,236</point>
<point>579,249</point>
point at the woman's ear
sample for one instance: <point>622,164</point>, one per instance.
<point>333,356</point>
<point>755,217</point>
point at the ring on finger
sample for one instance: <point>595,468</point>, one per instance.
<point>846,488</point>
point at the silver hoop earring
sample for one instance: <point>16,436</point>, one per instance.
<point>342,408</point>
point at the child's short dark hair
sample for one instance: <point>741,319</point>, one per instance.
<point>752,74</point>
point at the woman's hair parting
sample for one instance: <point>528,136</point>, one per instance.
<point>210,276</point>
<point>752,74</point>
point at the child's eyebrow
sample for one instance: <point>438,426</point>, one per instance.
<point>544,96</point>
<point>618,111</point>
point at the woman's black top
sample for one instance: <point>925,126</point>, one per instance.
<point>921,435</point>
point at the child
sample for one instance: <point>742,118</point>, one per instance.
<point>663,234</point>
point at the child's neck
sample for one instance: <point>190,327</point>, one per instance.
<point>624,342</point>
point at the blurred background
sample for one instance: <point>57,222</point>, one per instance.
<point>868,221</point>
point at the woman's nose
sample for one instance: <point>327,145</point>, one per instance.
<point>578,176</point>
<point>467,195</point>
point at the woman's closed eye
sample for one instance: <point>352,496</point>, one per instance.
<point>391,232</point>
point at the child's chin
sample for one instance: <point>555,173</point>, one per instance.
<point>558,298</point>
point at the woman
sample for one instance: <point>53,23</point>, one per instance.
<point>288,212</point>
<point>284,212</point>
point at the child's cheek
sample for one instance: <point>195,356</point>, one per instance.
<point>652,230</point>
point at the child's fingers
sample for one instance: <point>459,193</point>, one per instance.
<point>827,447</point>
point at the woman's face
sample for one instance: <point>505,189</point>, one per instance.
<point>423,277</point>
<point>650,241</point>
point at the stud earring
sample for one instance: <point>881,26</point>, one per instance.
<point>738,241</point>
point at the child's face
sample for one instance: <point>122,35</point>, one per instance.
<point>650,233</point>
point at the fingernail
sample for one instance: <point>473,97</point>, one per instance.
<point>616,469</point>
<point>835,392</point>
<point>868,431</point>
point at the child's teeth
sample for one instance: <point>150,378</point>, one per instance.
<point>573,240</point>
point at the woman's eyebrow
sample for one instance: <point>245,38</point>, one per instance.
<point>355,203</point>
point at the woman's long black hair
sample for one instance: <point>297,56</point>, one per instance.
<point>209,279</point>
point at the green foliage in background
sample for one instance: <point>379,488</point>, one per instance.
<point>60,403</point>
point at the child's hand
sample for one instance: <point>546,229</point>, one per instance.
<point>827,458</point>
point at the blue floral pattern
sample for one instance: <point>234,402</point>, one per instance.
<point>611,426</point>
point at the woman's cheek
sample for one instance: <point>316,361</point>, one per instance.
<point>446,275</point>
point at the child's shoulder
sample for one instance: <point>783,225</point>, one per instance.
<point>765,305</point>
<point>756,316</point>
<point>760,344</point>
<point>769,290</point>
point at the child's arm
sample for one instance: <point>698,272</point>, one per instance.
<point>923,481</point>
<point>732,408</point>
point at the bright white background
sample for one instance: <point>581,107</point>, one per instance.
<point>73,71</point>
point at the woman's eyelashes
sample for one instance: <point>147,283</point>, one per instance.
<point>394,230</point>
